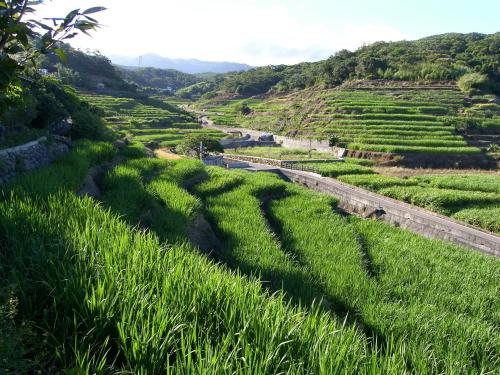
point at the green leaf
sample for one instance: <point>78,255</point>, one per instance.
<point>61,54</point>
<point>70,17</point>
<point>93,10</point>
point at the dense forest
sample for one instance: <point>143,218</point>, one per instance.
<point>440,57</point>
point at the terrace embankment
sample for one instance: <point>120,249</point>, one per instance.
<point>368,204</point>
<point>30,156</point>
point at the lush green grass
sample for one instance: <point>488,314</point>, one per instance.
<point>67,173</point>
<point>376,181</point>
<point>114,287</point>
<point>487,218</point>
<point>339,169</point>
<point>353,265</point>
<point>282,153</point>
<point>109,298</point>
<point>476,182</point>
<point>128,304</point>
<point>149,120</point>
<point>375,273</point>
<point>445,201</point>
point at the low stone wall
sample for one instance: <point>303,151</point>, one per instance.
<point>29,156</point>
<point>419,220</point>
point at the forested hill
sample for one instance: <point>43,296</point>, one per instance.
<point>439,57</point>
<point>86,69</point>
<point>162,79</point>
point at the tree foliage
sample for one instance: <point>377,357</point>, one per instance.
<point>439,57</point>
<point>191,145</point>
<point>163,79</point>
<point>22,38</point>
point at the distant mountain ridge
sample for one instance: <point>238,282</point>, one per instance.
<point>191,66</point>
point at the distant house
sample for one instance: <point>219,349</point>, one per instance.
<point>100,86</point>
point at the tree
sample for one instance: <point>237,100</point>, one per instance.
<point>23,39</point>
<point>191,145</point>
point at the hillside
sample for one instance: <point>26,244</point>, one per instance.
<point>168,80</point>
<point>439,57</point>
<point>190,66</point>
<point>85,69</point>
<point>401,123</point>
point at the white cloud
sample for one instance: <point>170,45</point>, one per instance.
<point>257,33</point>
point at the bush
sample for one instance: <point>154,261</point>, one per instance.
<point>471,83</point>
<point>243,108</point>
<point>86,125</point>
<point>463,125</point>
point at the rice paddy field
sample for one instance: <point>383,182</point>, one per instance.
<point>149,120</point>
<point>470,198</point>
<point>290,286</point>
<point>282,153</point>
<point>392,120</point>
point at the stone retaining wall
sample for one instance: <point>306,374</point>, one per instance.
<point>367,204</point>
<point>29,156</point>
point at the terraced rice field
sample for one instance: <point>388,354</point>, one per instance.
<point>381,120</point>
<point>149,119</point>
<point>472,198</point>
<point>290,286</point>
<point>282,153</point>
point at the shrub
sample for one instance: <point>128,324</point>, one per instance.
<point>86,125</point>
<point>243,108</point>
<point>471,83</point>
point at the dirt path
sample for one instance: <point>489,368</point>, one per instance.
<point>164,153</point>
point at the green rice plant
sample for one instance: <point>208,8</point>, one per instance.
<point>127,304</point>
<point>472,182</point>
<point>410,149</point>
<point>338,169</point>
<point>376,182</point>
<point>445,201</point>
<point>363,162</point>
<point>486,217</point>
<point>282,153</point>
<point>375,273</point>
<point>66,173</point>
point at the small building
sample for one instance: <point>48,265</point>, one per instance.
<point>100,86</point>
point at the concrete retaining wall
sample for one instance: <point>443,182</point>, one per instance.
<point>419,220</point>
<point>29,156</point>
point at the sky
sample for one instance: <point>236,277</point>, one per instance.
<point>262,32</point>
